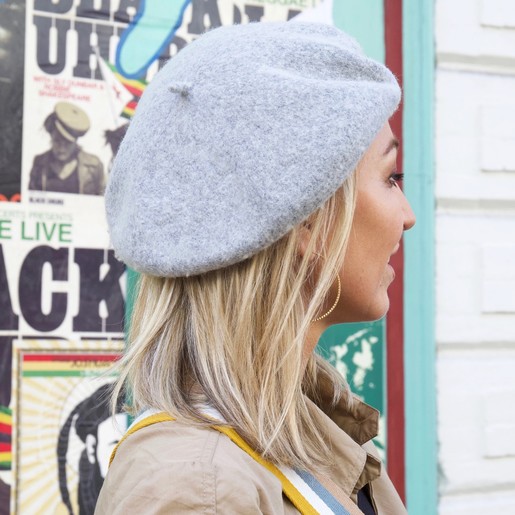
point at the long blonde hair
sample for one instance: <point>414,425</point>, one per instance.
<point>233,338</point>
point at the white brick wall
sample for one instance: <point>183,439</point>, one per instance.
<point>475,249</point>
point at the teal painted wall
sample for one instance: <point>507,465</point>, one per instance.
<point>363,19</point>
<point>419,251</point>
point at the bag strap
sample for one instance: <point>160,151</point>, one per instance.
<point>290,490</point>
<point>147,421</point>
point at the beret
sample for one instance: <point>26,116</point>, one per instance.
<point>237,139</point>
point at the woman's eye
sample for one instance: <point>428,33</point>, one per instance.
<point>396,178</point>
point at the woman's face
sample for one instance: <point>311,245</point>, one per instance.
<point>382,214</point>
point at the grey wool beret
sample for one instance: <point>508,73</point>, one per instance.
<point>241,136</point>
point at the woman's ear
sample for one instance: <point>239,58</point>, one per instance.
<point>305,236</point>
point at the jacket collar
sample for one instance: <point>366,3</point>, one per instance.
<point>347,426</point>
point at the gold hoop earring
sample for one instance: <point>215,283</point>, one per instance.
<point>335,302</point>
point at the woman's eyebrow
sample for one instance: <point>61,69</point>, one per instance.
<point>393,143</point>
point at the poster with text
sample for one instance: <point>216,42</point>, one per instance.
<point>71,75</point>
<point>65,429</point>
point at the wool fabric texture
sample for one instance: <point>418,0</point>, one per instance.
<point>241,136</point>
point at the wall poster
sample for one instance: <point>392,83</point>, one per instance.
<point>71,74</point>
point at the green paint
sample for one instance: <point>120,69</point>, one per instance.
<point>363,19</point>
<point>419,338</point>
<point>357,352</point>
<point>6,410</point>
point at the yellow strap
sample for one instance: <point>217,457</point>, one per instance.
<point>147,421</point>
<point>297,499</point>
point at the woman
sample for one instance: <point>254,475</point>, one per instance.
<point>257,194</point>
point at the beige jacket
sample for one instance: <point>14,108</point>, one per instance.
<point>172,467</point>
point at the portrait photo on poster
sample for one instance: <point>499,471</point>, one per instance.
<point>62,395</point>
<point>66,167</point>
<point>99,430</point>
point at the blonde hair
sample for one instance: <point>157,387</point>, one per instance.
<point>233,338</point>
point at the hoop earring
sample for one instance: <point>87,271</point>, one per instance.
<point>335,302</point>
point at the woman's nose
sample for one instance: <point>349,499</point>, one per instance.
<point>409,215</point>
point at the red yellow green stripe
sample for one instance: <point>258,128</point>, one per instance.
<point>62,373</point>
<point>69,357</point>
<point>5,434</point>
<point>134,86</point>
<point>5,418</point>
<point>129,109</point>
<point>65,364</point>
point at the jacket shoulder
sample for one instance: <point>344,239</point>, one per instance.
<point>176,468</point>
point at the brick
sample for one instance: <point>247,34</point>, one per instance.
<point>497,140</point>
<point>475,269</point>
<point>478,503</point>
<point>497,13</point>
<point>498,279</point>
<point>475,28</point>
<point>476,395</point>
<point>475,135</point>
